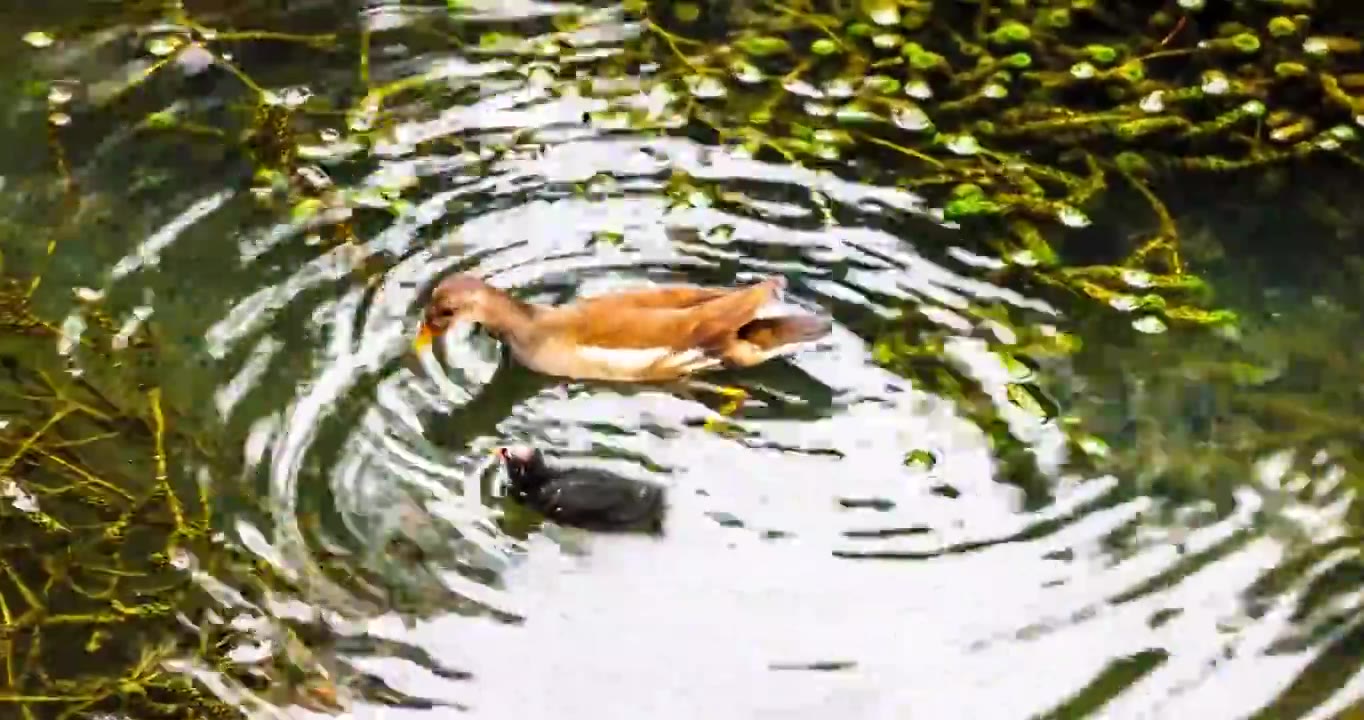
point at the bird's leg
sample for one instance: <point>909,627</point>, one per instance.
<point>734,396</point>
<point>734,399</point>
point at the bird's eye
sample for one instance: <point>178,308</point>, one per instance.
<point>445,312</point>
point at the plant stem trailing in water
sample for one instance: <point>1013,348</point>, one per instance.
<point>1038,107</point>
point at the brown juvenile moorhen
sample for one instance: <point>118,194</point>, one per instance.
<point>583,497</point>
<point>642,335</point>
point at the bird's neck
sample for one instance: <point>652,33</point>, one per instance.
<point>507,317</point>
<point>531,477</point>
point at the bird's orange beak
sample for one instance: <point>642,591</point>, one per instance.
<point>424,338</point>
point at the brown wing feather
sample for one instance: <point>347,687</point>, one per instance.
<point>718,321</point>
<point>609,323</point>
<point>658,297</point>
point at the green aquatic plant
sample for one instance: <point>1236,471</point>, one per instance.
<point>111,569</point>
<point>1044,108</point>
<point>99,535</point>
<point>1018,121</point>
<point>1047,109</point>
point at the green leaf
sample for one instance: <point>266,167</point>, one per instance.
<point>609,237</point>
<point>763,45</point>
<point>1102,54</point>
<point>1093,446</point>
<point>1024,397</point>
<point>1009,32</point>
<point>306,208</point>
<point>971,205</point>
<point>824,46</point>
<point>920,460</point>
<point>686,12</point>
<point>883,84</point>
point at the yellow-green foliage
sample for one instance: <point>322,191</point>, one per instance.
<point>1019,117</point>
<point>1027,112</point>
<point>96,538</point>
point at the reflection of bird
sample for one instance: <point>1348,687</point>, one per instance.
<point>643,335</point>
<point>583,497</point>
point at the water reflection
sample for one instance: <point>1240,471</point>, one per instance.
<point>811,568</point>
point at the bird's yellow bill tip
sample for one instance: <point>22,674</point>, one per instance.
<point>423,339</point>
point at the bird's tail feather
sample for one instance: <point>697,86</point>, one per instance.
<point>774,332</point>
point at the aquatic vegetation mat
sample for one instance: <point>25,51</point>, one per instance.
<point>1024,114</point>
<point>116,594</point>
<point>1016,119</point>
<point>93,568</point>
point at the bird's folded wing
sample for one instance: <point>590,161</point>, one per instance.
<point>618,322</point>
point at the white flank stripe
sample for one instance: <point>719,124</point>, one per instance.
<point>641,359</point>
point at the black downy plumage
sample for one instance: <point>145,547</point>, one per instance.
<point>583,497</point>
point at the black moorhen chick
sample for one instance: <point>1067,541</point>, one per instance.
<point>583,497</point>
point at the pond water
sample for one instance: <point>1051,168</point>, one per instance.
<point>857,542</point>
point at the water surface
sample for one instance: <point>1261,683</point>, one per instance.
<point>817,564</point>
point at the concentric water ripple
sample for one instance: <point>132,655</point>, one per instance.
<point>804,543</point>
<point>809,570</point>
